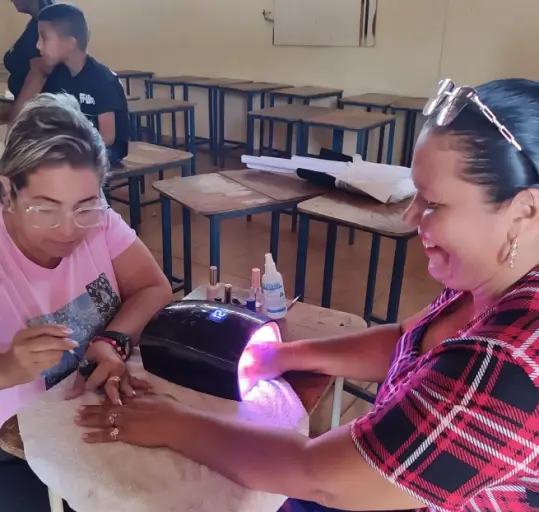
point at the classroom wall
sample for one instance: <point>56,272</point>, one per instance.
<point>418,41</point>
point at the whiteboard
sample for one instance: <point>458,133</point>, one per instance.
<point>322,22</point>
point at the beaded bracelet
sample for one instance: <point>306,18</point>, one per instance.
<point>113,343</point>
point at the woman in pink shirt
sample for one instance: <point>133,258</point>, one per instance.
<point>76,284</point>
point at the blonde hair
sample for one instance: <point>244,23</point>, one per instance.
<point>52,131</point>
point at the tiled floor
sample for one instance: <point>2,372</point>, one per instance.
<point>243,245</point>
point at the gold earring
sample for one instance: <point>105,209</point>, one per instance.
<point>513,249</point>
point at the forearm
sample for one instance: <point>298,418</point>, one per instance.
<point>270,460</point>
<point>139,309</point>
<point>363,356</point>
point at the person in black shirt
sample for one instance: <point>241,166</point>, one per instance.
<point>27,72</point>
<point>63,41</point>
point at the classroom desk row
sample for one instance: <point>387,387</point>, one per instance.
<point>218,88</point>
<point>232,194</point>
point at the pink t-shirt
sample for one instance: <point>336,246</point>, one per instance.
<point>81,293</point>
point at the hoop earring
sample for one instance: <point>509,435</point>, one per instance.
<point>513,249</point>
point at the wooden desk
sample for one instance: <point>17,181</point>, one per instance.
<point>371,100</point>
<point>153,110</point>
<point>143,159</point>
<point>412,108</point>
<point>129,74</point>
<point>292,115</point>
<point>366,214</point>
<point>307,93</point>
<point>250,90</point>
<point>303,321</point>
<point>219,197</point>
<point>358,121</point>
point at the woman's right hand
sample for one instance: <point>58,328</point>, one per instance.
<point>34,350</point>
<point>263,361</point>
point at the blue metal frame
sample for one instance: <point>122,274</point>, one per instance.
<point>250,99</point>
<point>290,99</point>
<point>142,75</point>
<point>133,181</point>
<point>410,123</point>
<point>215,236</point>
<point>397,277</point>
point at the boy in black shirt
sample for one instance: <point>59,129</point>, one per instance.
<point>63,41</point>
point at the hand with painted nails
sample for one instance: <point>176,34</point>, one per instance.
<point>32,351</point>
<point>111,374</point>
<point>151,421</point>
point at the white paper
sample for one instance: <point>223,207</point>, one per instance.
<point>385,183</point>
<point>116,477</point>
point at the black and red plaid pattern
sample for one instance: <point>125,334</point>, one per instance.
<point>458,427</point>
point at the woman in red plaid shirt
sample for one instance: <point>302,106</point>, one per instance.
<point>456,419</point>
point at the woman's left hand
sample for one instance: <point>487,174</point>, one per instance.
<point>148,421</point>
<point>111,373</point>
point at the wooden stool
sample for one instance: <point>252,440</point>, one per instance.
<point>366,214</point>
<point>305,94</point>
<point>291,115</point>
<point>129,74</point>
<point>219,197</point>
<point>411,107</point>
<point>249,91</point>
<point>144,158</point>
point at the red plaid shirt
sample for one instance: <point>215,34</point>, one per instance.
<point>458,427</point>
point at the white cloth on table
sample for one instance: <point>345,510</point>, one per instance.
<point>120,478</point>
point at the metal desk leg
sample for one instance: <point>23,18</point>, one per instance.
<point>397,278</point>
<point>411,139</point>
<point>134,202</point>
<point>174,130</point>
<point>212,128</point>
<point>250,135</point>
<point>390,143</point>
<point>221,124</point>
<point>128,86</point>
<point>274,240</point>
<point>187,267</point>
<point>329,263</point>
<point>271,126</point>
<point>192,140</point>
<point>262,124</point>
<point>405,143</point>
<point>301,259</point>
<point>337,141</point>
<point>289,139</point>
<point>215,242</point>
<point>371,279</point>
<point>166,233</point>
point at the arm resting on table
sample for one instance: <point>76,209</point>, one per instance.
<point>364,355</point>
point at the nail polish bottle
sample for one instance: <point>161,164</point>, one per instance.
<point>256,290</point>
<point>213,290</point>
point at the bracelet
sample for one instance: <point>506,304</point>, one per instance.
<point>112,343</point>
<point>119,341</point>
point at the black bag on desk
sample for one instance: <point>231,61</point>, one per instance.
<point>320,178</point>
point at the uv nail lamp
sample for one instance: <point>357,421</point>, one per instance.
<point>201,345</point>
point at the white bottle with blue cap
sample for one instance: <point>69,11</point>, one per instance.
<point>273,288</point>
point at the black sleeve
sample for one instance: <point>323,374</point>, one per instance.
<point>108,95</point>
<point>24,49</point>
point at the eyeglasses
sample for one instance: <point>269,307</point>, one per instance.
<point>46,217</point>
<point>450,101</point>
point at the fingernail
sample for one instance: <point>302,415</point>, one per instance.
<point>78,417</point>
<point>82,408</point>
<point>85,436</point>
<point>119,402</point>
<point>134,393</point>
<point>67,330</point>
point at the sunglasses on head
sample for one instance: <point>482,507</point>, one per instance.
<point>451,100</point>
